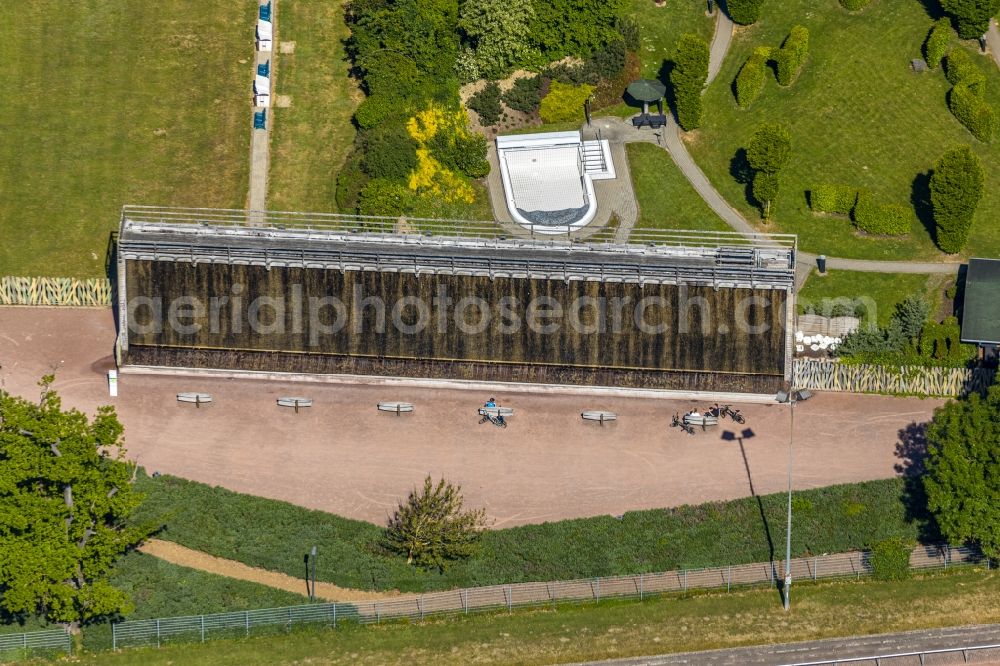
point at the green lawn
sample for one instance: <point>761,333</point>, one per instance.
<point>313,136</point>
<point>112,103</point>
<point>857,116</point>
<point>883,290</point>
<point>274,535</point>
<point>666,198</point>
<point>616,629</point>
<point>662,27</point>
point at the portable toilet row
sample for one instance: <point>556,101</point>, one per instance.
<point>265,28</point>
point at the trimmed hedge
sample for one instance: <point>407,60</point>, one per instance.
<point>792,55</point>
<point>688,79</point>
<point>881,219</point>
<point>274,535</point>
<point>744,12</point>
<point>958,66</point>
<point>937,42</point>
<point>854,5</point>
<point>839,199</point>
<point>968,106</point>
<point>753,74</point>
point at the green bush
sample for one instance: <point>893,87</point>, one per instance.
<point>854,5</point>
<point>792,55</point>
<point>688,79</point>
<point>744,12</point>
<point>750,80</point>
<point>376,110</point>
<point>972,17</point>
<point>381,196</point>
<point>958,66</point>
<point>969,107</point>
<point>389,152</point>
<point>629,29</point>
<point>937,42</point>
<point>881,219</point>
<point>525,94</point>
<point>465,153</point>
<point>486,104</point>
<point>838,199</point>
<point>765,188</point>
<point>351,179</point>
<point>956,189</point>
<point>564,103</point>
<point>890,559</point>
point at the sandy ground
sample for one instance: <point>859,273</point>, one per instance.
<point>344,456</point>
<point>177,554</point>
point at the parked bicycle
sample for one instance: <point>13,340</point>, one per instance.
<point>723,411</point>
<point>678,422</point>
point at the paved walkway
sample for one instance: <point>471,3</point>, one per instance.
<point>841,648</point>
<point>993,41</point>
<point>260,139</point>
<point>720,44</point>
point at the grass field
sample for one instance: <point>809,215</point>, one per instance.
<point>662,26</point>
<point>313,136</point>
<point>666,198</point>
<point>617,629</point>
<point>884,289</point>
<point>110,103</point>
<point>833,519</point>
<point>857,116</point>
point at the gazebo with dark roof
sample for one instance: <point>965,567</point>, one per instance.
<point>981,309</point>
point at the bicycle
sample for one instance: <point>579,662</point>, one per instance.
<point>677,422</point>
<point>727,410</point>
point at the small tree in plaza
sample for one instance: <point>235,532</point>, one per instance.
<point>956,188</point>
<point>963,470</point>
<point>971,17</point>
<point>768,153</point>
<point>66,494</point>
<point>432,529</point>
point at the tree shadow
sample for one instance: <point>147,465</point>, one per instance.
<point>663,75</point>
<point>920,199</point>
<point>911,450</point>
<point>742,173</point>
<point>932,8</point>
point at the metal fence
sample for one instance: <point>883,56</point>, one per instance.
<point>507,597</point>
<point>33,643</point>
<point>968,654</point>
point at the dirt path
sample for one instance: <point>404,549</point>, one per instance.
<point>177,554</point>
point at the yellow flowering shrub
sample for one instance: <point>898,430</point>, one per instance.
<point>430,177</point>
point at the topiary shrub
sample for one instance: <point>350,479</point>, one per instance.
<point>854,5</point>
<point>688,79</point>
<point>792,54</point>
<point>937,42</point>
<point>958,66</point>
<point>839,199</point>
<point>890,560</point>
<point>750,80</point>
<point>885,220</point>
<point>956,189</point>
<point>525,94</point>
<point>968,106</point>
<point>564,102</point>
<point>744,12</point>
<point>486,104</point>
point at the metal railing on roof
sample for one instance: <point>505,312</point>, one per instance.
<point>415,226</point>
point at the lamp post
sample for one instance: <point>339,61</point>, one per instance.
<point>791,397</point>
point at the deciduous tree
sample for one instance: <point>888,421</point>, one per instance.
<point>971,17</point>
<point>498,31</point>
<point>66,495</point>
<point>963,470</point>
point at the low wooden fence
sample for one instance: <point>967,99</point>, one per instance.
<point>94,292</point>
<point>910,379</point>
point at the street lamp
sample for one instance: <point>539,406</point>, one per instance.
<point>310,559</point>
<point>791,397</point>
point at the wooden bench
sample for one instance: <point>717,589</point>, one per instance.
<point>395,407</point>
<point>599,416</point>
<point>291,401</point>
<point>198,399</point>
